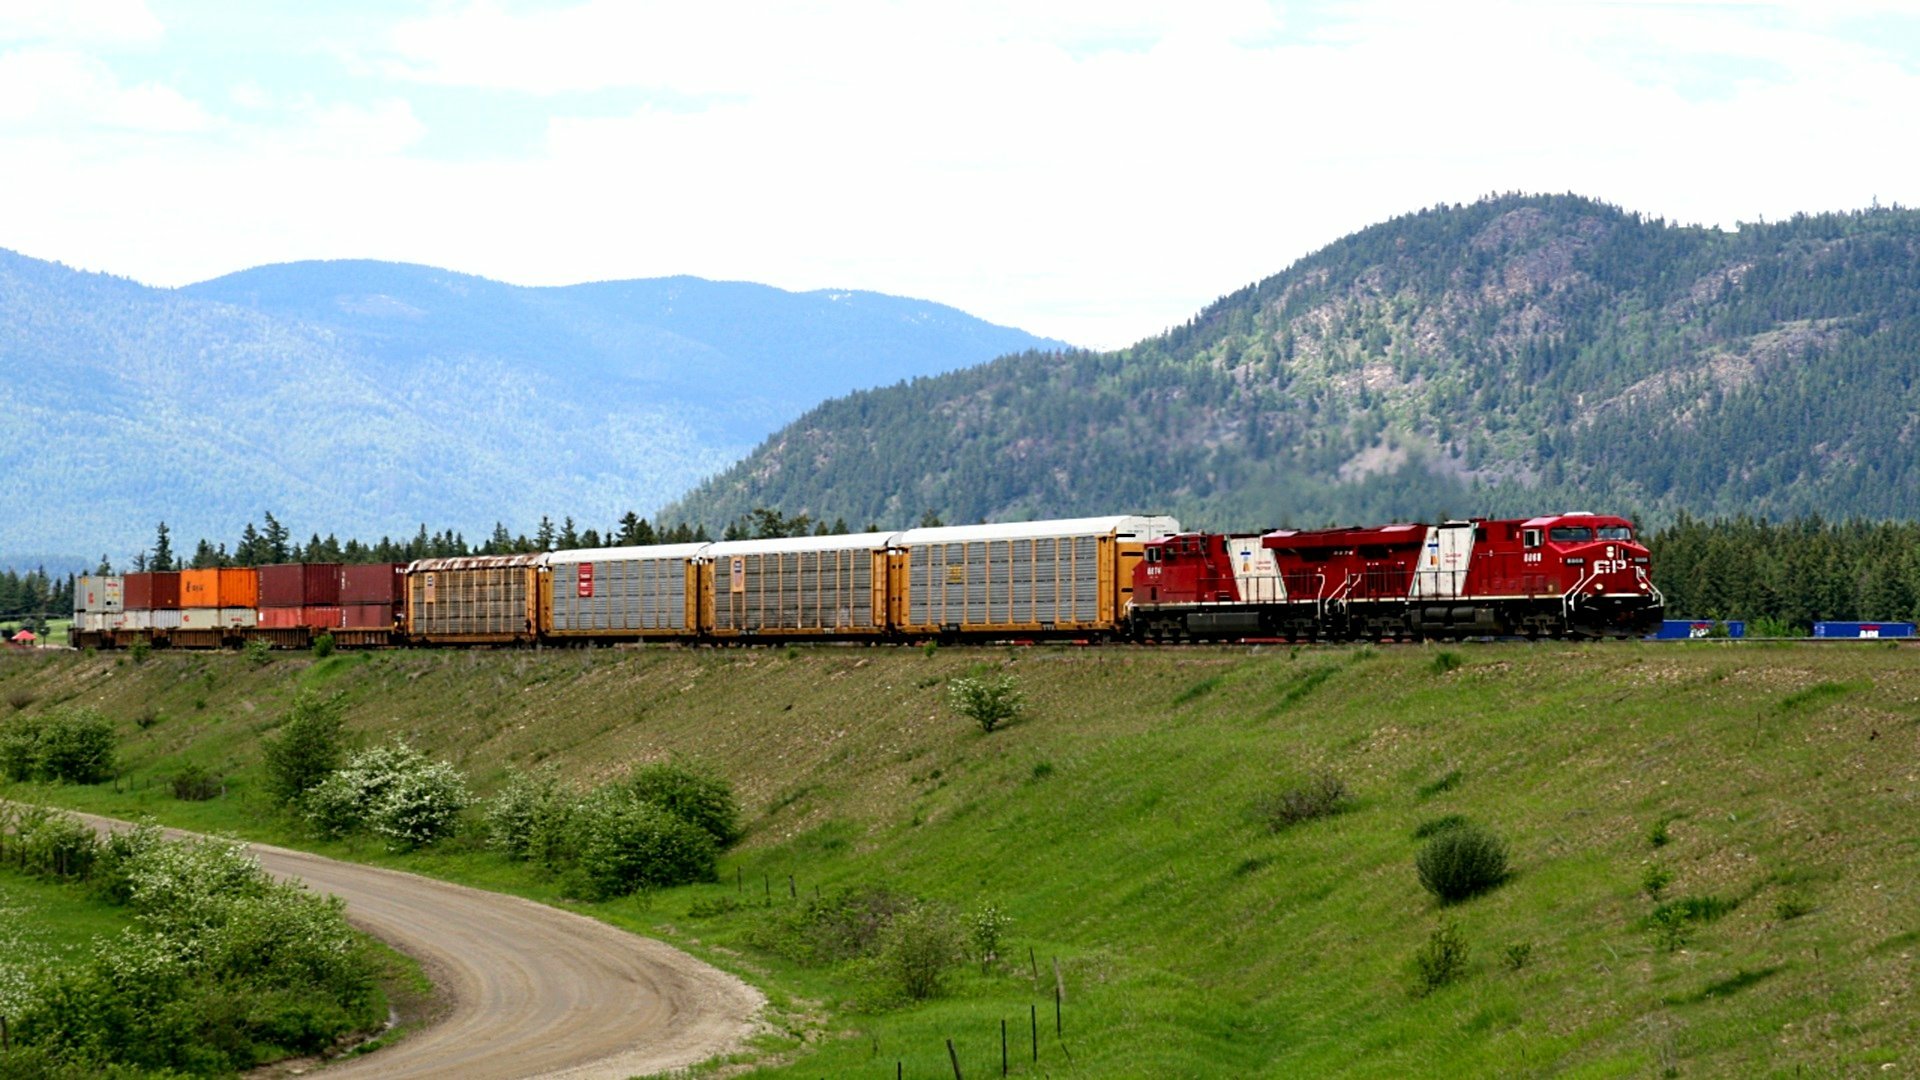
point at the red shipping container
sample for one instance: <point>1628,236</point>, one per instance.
<point>153,591</point>
<point>372,583</point>
<point>300,585</point>
<point>319,617</point>
<point>367,616</point>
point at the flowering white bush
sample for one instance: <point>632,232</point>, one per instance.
<point>989,702</point>
<point>393,790</point>
<point>225,965</point>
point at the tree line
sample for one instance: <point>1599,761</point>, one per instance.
<point>272,543</point>
<point>1793,572</point>
<point>29,599</point>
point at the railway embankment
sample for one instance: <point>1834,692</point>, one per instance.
<point>1183,862</point>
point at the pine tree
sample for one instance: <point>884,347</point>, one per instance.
<point>275,535</point>
<point>162,559</point>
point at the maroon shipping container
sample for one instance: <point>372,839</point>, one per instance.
<point>318,617</point>
<point>372,583</point>
<point>153,591</point>
<point>288,585</point>
<point>367,616</point>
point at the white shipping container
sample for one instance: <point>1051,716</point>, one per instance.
<point>96,593</point>
<point>218,618</point>
<point>163,619</point>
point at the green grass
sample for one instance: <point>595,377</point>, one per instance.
<point>53,917</point>
<point>1115,824</point>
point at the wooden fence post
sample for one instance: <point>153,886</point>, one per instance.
<point>954,1056</point>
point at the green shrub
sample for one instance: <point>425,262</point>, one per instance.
<point>1657,836</point>
<point>1669,928</point>
<point>322,646</point>
<point>20,747</point>
<point>1440,824</point>
<point>1442,960</point>
<point>1322,796</point>
<point>1445,661</point>
<point>1672,923</point>
<point>139,650</point>
<point>1517,955</point>
<point>1790,907</point>
<point>691,794</point>
<point>840,926</point>
<point>74,746</point>
<point>1655,880</point>
<point>989,702</point>
<point>627,845</point>
<point>309,746</point>
<point>918,948</point>
<point>228,967</point>
<point>1462,862</point>
<point>531,818</point>
<point>52,843</point>
<point>194,783</point>
<point>258,652</point>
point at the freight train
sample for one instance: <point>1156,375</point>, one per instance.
<point>1123,577</point>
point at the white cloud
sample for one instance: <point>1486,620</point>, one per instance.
<point>1095,171</point>
<point>59,90</point>
<point>79,22</point>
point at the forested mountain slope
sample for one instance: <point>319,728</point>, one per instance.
<point>367,398</point>
<point>1518,354</point>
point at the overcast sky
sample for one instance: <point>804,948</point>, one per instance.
<point>1094,171</point>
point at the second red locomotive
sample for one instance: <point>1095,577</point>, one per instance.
<point>1570,575</point>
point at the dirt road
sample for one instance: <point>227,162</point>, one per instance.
<point>528,990</point>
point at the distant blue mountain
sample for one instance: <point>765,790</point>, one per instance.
<point>370,397</point>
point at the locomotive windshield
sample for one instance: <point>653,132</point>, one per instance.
<point>1615,532</point>
<point>1570,534</point>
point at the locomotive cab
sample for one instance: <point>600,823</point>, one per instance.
<point>1597,567</point>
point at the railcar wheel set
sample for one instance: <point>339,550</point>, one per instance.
<point>1118,578</point>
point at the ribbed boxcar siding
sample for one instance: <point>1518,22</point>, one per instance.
<point>482,602</point>
<point>795,591</point>
<point>629,596</point>
<point>1047,581</point>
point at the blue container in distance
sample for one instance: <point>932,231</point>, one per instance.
<point>1863,629</point>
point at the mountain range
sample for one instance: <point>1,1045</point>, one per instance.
<point>367,398</point>
<point>1521,354</point>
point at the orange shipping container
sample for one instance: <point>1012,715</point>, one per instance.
<point>233,587</point>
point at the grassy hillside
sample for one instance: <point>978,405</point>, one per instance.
<point>1117,824</point>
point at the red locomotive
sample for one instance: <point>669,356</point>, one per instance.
<point>1570,575</point>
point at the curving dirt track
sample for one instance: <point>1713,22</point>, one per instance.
<point>529,990</point>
